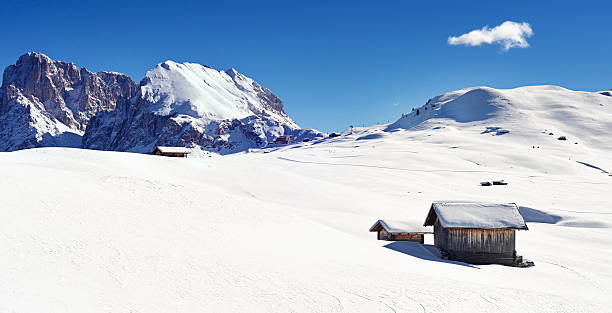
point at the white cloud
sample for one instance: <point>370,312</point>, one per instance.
<point>509,34</point>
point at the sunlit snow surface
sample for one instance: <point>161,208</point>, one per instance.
<point>287,231</point>
<point>202,92</point>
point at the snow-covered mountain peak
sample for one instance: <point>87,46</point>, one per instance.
<point>41,57</point>
<point>44,102</point>
<point>232,72</point>
<point>200,91</point>
<point>189,104</point>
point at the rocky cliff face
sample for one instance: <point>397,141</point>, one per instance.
<point>52,103</point>
<point>49,103</point>
<point>196,106</point>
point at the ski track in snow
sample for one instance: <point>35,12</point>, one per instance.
<point>586,278</point>
<point>383,167</point>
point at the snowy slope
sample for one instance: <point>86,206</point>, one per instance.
<point>194,105</point>
<point>288,230</point>
<point>172,88</point>
<point>526,112</point>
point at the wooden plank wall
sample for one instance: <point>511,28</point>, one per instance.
<point>410,237</point>
<point>174,154</point>
<point>440,236</point>
<point>383,235</point>
<point>483,258</point>
<point>477,246</point>
<point>480,240</point>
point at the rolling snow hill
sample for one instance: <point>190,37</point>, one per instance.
<point>286,229</point>
<point>527,111</point>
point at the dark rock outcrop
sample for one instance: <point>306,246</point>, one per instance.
<point>49,103</point>
<point>53,103</point>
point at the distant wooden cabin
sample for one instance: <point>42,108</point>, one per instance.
<point>476,233</point>
<point>179,152</point>
<point>283,140</point>
<point>399,231</point>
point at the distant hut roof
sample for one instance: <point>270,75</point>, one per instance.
<point>457,214</point>
<point>399,227</point>
<point>164,149</point>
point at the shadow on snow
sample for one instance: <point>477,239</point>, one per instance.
<point>421,251</point>
<point>536,216</point>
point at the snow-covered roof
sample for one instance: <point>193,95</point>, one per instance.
<point>163,149</point>
<point>459,214</point>
<point>400,227</point>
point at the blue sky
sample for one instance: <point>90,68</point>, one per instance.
<point>332,63</point>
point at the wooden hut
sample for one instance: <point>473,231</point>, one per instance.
<point>283,140</point>
<point>399,231</point>
<point>179,152</point>
<point>477,233</point>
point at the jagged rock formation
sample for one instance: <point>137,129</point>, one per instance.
<point>54,103</point>
<point>194,105</point>
<point>49,103</point>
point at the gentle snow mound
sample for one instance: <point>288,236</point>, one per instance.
<point>525,112</point>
